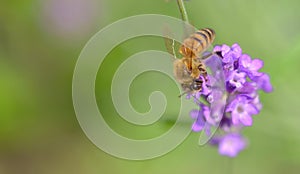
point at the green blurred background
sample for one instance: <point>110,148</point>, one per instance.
<point>40,41</point>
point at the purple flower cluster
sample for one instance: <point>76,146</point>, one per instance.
<point>230,98</point>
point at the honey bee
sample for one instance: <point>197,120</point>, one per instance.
<point>188,69</point>
<point>192,49</point>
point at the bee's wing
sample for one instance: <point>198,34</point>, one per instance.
<point>188,31</point>
<point>217,97</point>
<point>170,43</point>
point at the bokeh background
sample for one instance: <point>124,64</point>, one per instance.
<point>40,41</point>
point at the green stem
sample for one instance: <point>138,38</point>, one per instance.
<point>229,166</point>
<point>182,10</point>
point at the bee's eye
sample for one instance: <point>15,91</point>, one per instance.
<point>196,85</point>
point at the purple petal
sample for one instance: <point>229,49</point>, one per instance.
<point>254,74</point>
<point>197,96</point>
<point>208,114</point>
<point>195,113</point>
<point>206,111</point>
<point>231,144</point>
<point>249,66</point>
<point>246,119</point>
<point>198,115</point>
<point>235,117</point>
<point>215,96</point>
<point>227,58</point>
<point>225,49</point>
<point>263,82</point>
<point>196,127</point>
<point>227,150</point>
<point>214,63</point>
<point>215,140</point>
<point>251,109</point>
<point>236,49</point>
<point>256,64</point>
<point>199,124</point>
<point>232,105</point>
<point>245,61</point>
<point>236,79</point>
<point>257,103</point>
<point>217,48</point>
<point>248,88</point>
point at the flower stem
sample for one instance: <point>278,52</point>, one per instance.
<point>182,10</point>
<point>229,165</point>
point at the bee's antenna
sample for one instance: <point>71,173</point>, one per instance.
<point>182,94</point>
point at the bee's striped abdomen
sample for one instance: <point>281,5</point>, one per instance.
<point>198,42</point>
<point>203,39</point>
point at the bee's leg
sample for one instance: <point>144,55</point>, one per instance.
<point>218,53</point>
<point>207,56</point>
<point>202,70</point>
<point>188,63</point>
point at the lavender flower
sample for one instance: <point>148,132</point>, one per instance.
<point>231,95</point>
<point>200,116</point>
<point>231,144</point>
<point>235,80</point>
<point>249,66</point>
<point>263,83</point>
<point>242,110</point>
